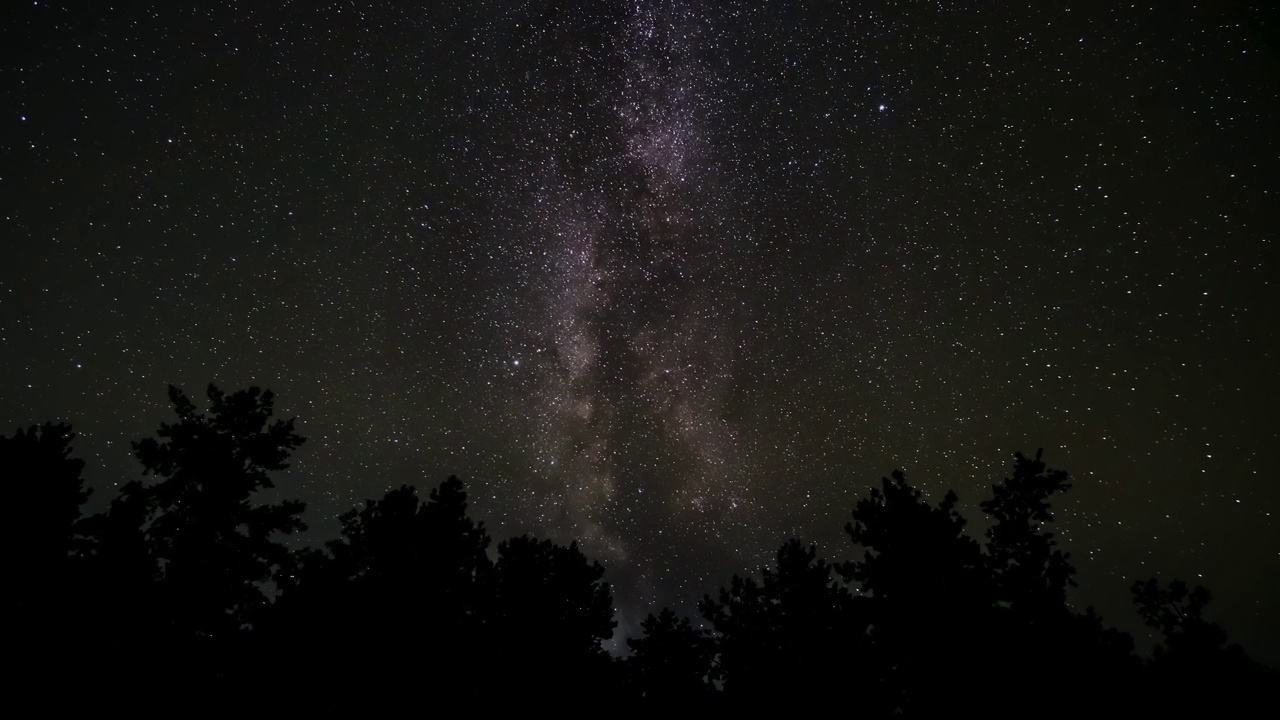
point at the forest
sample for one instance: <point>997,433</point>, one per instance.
<point>186,590</point>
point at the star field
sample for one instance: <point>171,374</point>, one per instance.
<point>677,279</point>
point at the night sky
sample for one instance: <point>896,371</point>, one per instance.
<point>677,279</point>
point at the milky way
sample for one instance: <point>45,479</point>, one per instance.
<point>627,343</point>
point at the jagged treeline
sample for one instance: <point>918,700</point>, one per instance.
<point>183,589</point>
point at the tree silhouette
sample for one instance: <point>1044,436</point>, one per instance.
<point>1029,577</point>
<point>914,553</point>
<point>1029,572</point>
<point>927,593</point>
<point>430,551</point>
<point>401,594</point>
<point>42,548</point>
<point>122,575</point>
<point>795,628</point>
<point>1195,670</point>
<point>174,581</point>
<point>43,484</point>
<point>551,611</point>
<point>672,663</point>
<point>212,550</point>
<point>1178,613</point>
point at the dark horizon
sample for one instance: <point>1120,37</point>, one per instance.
<point>186,577</point>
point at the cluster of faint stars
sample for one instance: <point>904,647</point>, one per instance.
<point>676,280</point>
